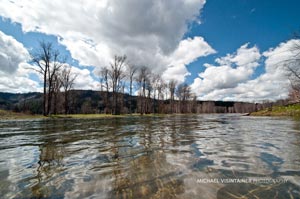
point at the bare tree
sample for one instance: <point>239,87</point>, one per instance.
<point>104,79</point>
<point>56,91</point>
<point>156,86</point>
<point>116,74</point>
<point>184,94</point>
<point>294,77</point>
<point>172,87</point>
<point>142,79</point>
<point>149,89</point>
<point>131,72</point>
<point>294,94</point>
<point>161,85</point>
<point>67,79</point>
<point>48,62</point>
<point>292,66</point>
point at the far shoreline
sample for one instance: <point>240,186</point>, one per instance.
<point>292,110</point>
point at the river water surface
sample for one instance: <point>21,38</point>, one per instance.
<point>183,156</point>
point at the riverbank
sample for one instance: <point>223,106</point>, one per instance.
<point>6,115</point>
<point>288,110</point>
<point>88,116</point>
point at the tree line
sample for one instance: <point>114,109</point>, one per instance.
<point>146,91</point>
<point>115,80</point>
<point>93,102</point>
<point>151,90</point>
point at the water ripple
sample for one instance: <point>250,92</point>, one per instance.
<point>148,157</point>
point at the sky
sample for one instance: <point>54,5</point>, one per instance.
<point>225,50</point>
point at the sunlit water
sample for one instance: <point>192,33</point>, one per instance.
<point>151,157</point>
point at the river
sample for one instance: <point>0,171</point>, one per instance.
<point>178,156</point>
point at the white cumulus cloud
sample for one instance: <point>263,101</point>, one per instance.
<point>19,81</point>
<point>148,32</point>
<point>84,80</point>
<point>12,53</point>
<point>14,72</point>
<point>273,84</point>
<point>231,70</point>
<point>187,52</point>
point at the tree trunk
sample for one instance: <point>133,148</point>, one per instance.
<point>66,102</point>
<point>45,95</point>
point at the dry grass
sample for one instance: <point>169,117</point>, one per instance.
<point>6,115</point>
<point>95,116</point>
<point>289,110</point>
<point>86,116</point>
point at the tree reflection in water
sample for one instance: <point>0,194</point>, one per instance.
<point>149,157</point>
<point>49,165</point>
<point>149,176</point>
<point>143,171</point>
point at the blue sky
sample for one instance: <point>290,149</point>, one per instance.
<point>226,25</point>
<point>226,50</point>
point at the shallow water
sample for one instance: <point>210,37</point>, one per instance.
<point>186,156</point>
